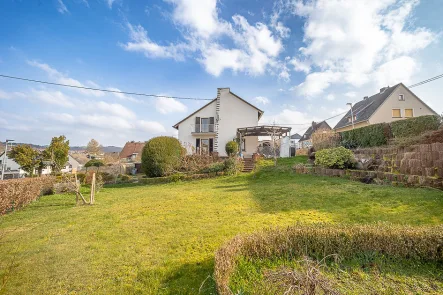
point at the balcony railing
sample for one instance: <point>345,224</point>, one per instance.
<point>203,128</point>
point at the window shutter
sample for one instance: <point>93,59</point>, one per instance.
<point>396,113</point>
<point>211,124</point>
<point>197,124</point>
<point>409,113</point>
<point>211,145</point>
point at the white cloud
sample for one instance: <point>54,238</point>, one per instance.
<point>354,43</point>
<point>262,100</point>
<point>63,79</point>
<point>150,126</point>
<point>395,71</point>
<point>61,7</point>
<point>301,66</point>
<point>315,83</point>
<point>105,122</point>
<point>123,96</point>
<point>110,2</point>
<point>61,117</point>
<point>140,42</point>
<point>351,94</point>
<point>330,97</point>
<point>167,105</point>
<point>52,97</point>
<point>115,109</point>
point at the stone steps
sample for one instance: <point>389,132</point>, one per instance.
<point>248,165</point>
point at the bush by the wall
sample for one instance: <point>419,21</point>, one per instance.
<point>339,158</point>
<point>17,193</point>
<point>161,156</point>
<point>421,243</point>
<point>415,126</point>
<point>369,136</point>
<point>232,166</point>
<point>231,148</point>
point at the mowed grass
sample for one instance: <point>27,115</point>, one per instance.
<point>161,239</point>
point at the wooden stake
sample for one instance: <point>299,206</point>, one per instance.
<point>76,188</point>
<point>92,189</point>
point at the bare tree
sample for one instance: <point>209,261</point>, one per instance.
<point>94,147</point>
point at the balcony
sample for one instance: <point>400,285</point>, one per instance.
<point>203,129</point>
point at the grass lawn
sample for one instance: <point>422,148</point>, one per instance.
<point>161,239</point>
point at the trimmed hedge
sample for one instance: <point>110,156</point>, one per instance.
<point>320,240</point>
<point>369,136</point>
<point>161,156</point>
<point>17,193</point>
<point>231,148</point>
<point>415,126</point>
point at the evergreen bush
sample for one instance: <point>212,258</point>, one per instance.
<point>369,136</point>
<point>415,126</point>
<point>161,156</point>
<point>337,158</point>
<point>231,148</point>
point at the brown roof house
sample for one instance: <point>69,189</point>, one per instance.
<point>132,152</point>
<point>305,141</point>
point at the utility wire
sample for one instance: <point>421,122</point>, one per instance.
<point>426,81</point>
<point>99,89</point>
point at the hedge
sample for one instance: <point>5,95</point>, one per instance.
<point>320,240</point>
<point>17,193</point>
<point>415,126</point>
<point>369,136</point>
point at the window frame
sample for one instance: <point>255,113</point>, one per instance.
<point>412,110</point>
<point>392,113</point>
<point>402,97</point>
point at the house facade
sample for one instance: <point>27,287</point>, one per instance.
<point>12,169</point>
<point>305,141</point>
<point>390,104</point>
<point>131,152</point>
<point>71,166</point>
<point>208,129</point>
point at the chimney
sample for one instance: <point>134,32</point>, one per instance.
<point>383,89</point>
<point>365,98</point>
<point>313,124</point>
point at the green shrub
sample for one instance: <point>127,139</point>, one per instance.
<point>369,136</point>
<point>94,163</point>
<point>214,168</point>
<point>338,158</point>
<point>231,148</point>
<point>415,126</point>
<point>161,156</point>
<point>176,177</point>
<point>124,177</point>
<point>232,166</point>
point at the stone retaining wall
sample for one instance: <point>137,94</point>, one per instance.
<point>421,160</point>
<point>388,177</point>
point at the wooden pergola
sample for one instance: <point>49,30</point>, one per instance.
<point>265,130</point>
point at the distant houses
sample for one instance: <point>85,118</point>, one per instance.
<point>305,141</point>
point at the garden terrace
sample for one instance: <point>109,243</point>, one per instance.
<point>161,238</point>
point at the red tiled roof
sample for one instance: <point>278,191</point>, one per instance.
<point>131,148</point>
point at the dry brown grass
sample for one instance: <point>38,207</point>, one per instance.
<point>320,240</point>
<point>17,193</point>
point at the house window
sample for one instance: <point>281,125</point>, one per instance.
<point>204,124</point>
<point>204,145</point>
<point>401,97</point>
<point>409,113</point>
<point>349,120</point>
<point>243,144</point>
<point>396,113</point>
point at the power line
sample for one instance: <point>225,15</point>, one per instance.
<point>426,81</point>
<point>99,89</point>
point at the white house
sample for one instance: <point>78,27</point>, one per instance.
<point>71,166</point>
<point>12,169</point>
<point>209,128</point>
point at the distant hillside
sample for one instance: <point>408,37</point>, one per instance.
<point>106,149</point>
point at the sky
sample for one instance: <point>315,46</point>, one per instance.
<point>299,61</point>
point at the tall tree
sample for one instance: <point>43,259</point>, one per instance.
<point>94,147</point>
<point>57,152</point>
<point>28,158</point>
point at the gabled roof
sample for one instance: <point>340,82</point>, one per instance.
<point>364,109</point>
<point>259,111</point>
<point>296,136</point>
<point>131,148</point>
<point>313,128</point>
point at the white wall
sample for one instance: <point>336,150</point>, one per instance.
<point>185,128</point>
<point>234,114</point>
<point>285,151</point>
<point>384,112</point>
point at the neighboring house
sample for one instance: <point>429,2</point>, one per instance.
<point>390,104</point>
<point>295,138</point>
<point>209,128</point>
<point>12,169</point>
<point>305,141</point>
<point>132,152</point>
<point>71,166</point>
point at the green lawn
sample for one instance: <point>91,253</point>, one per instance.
<point>161,239</point>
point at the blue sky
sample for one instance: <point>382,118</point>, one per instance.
<point>299,61</point>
